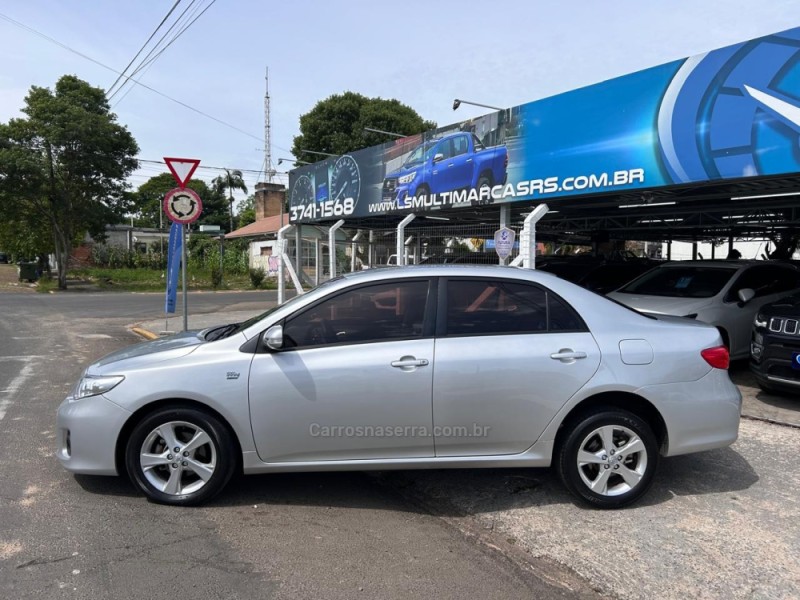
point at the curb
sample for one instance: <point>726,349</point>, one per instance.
<point>771,421</point>
<point>145,333</point>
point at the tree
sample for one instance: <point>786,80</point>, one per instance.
<point>247,211</point>
<point>336,125</point>
<point>231,180</point>
<point>65,165</point>
<point>148,202</point>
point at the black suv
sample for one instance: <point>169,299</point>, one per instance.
<point>775,346</point>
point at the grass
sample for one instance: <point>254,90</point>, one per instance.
<point>149,280</point>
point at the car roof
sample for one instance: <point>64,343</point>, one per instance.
<point>440,270</point>
<point>719,264</point>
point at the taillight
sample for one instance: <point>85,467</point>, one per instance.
<point>717,357</point>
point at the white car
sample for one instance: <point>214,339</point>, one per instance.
<point>441,366</point>
<point>724,293</point>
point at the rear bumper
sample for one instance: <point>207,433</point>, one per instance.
<point>699,415</point>
<point>87,435</point>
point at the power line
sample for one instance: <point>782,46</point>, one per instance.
<point>147,87</point>
<point>146,64</point>
<point>152,35</point>
<point>147,60</point>
<point>161,162</point>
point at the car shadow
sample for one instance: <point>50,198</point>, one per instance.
<point>106,486</point>
<point>454,492</point>
<point>475,491</point>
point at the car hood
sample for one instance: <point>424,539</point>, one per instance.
<point>404,170</point>
<point>789,306</point>
<point>158,350</point>
<point>661,305</point>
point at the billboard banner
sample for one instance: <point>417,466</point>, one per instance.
<point>726,114</point>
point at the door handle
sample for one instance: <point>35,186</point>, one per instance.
<point>567,355</point>
<point>409,362</point>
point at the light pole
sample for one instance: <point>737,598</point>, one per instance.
<point>295,162</point>
<point>458,102</point>
<point>397,135</point>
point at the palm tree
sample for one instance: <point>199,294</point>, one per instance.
<point>230,180</point>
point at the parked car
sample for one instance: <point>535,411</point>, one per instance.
<point>725,293</point>
<point>467,258</point>
<point>458,161</point>
<point>775,347</point>
<point>419,367</point>
<point>596,274</point>
<point>3,258</point>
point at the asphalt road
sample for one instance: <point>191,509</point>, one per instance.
<point>285,536</point>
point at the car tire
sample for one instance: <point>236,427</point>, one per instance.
<point>180,456</point>
<point>589,462</point>
<point>422,191</point>
<point>765,387</point>
<point>484,181</point>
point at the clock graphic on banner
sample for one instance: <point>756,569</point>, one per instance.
<point>345,179</point>
<point>302,192</point>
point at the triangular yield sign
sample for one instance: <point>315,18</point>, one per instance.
<point>182,168</point>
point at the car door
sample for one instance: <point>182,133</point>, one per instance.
<point>353,380</point>
<point>440,157</point>
<point>460,164</point>
<point>769,282</point>
<point>509,354</point>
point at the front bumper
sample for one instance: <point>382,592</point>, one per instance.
<point>88,430</point>
<point>771,362</point>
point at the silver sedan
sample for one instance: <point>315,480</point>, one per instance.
<point>441,366</point>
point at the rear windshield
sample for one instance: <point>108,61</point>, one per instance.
<point>684,282</point>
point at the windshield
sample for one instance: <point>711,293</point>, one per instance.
<point>683,282</point>
<point>290,302</point>
<point>421,153</point>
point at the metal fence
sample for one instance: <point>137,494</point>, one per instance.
<point>357,249</point>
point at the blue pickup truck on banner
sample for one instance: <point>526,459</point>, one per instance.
<point>728,114</point>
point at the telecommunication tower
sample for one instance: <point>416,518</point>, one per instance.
<point>267,141</point>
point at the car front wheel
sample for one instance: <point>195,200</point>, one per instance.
<point>608,458</point>
<point>180,456</point>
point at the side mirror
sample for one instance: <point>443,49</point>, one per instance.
<point>439,157</point>
<point>273,337</point>
<point>746,294</point>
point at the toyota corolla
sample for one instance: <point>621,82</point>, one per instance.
<point>440,366</point>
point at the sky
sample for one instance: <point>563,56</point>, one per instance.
<point>423,53</point>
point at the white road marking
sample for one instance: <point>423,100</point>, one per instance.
<point>16,384</point>
<point>94,336</point>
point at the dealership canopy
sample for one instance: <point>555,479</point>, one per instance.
<point>673,147</point>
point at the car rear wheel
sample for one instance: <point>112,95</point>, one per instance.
<point>484,181</point>
<point>608,458</point>
<point>180,456</point>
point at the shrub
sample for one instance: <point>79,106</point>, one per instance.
<point>216,277</point>
<point>257,277</point>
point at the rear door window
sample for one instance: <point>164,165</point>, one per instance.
<point>496,307</point>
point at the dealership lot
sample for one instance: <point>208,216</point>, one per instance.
<point>720,524</point>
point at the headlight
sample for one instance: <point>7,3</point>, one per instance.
<point>92,386</point>
<point>407,178</point>
<point>760,321</point>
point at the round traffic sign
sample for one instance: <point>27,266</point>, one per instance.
<point>182,205</point>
